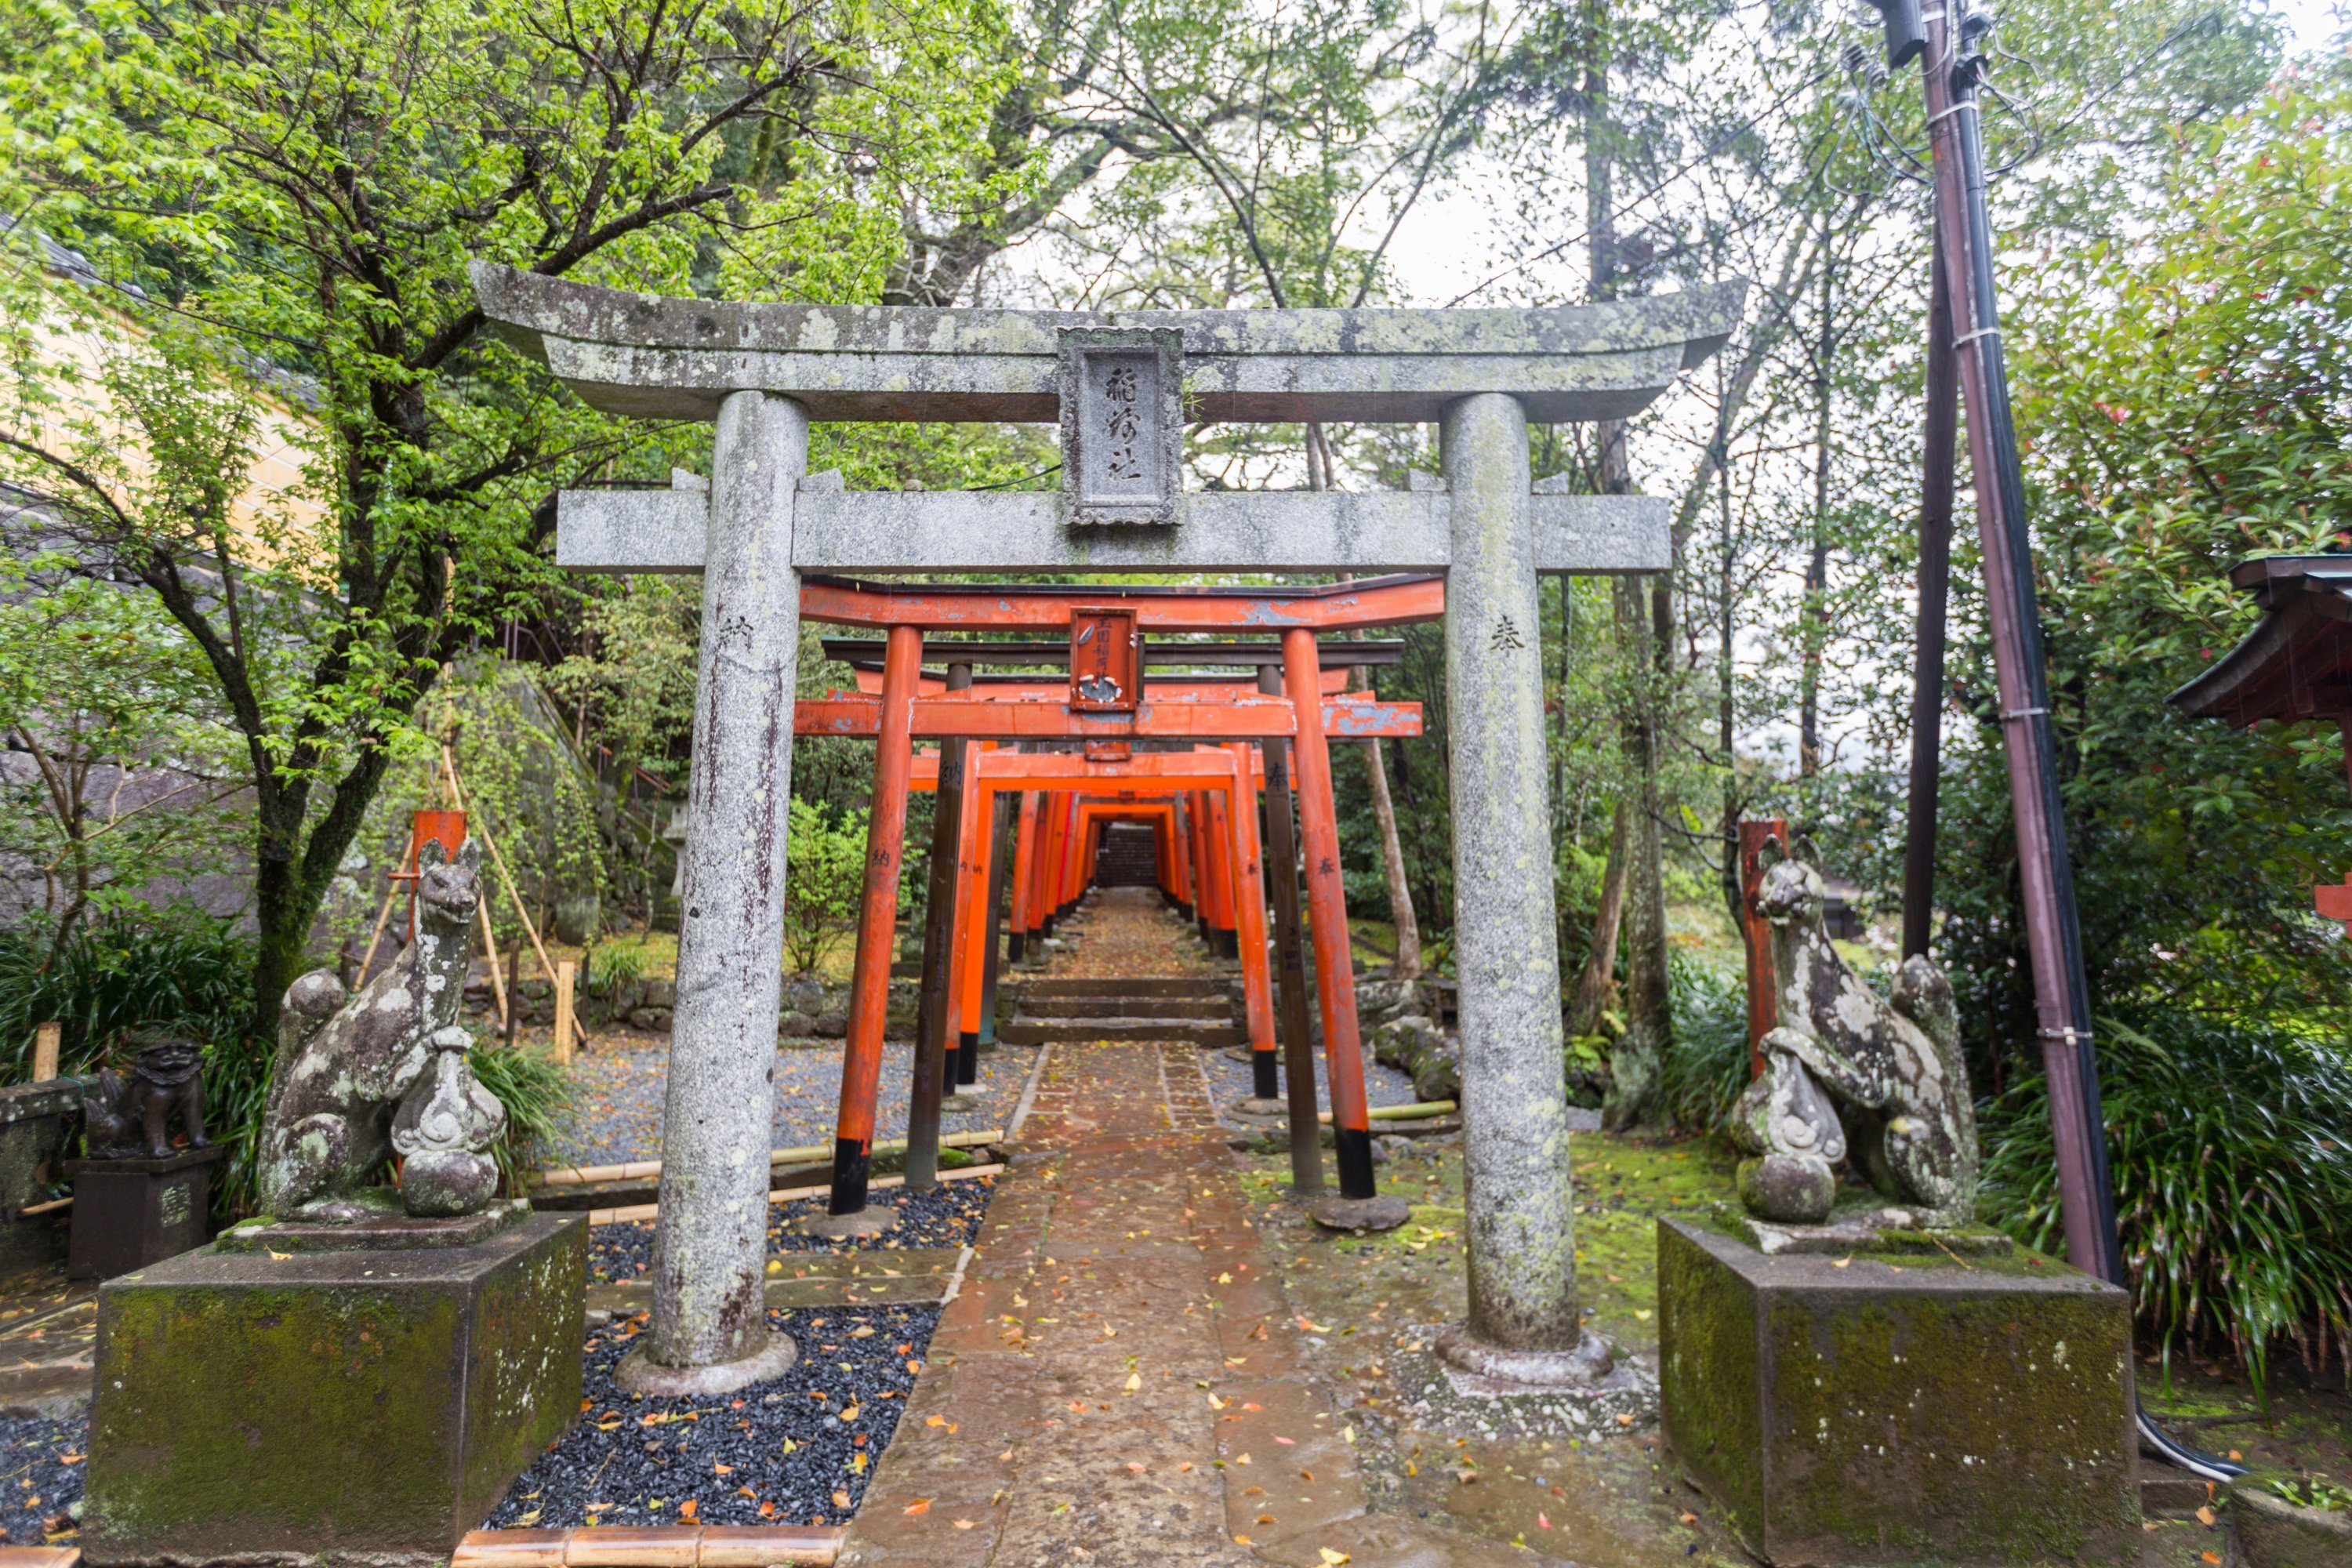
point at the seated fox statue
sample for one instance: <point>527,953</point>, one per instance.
<point>384,1071</point>
<point>1845,1074</point>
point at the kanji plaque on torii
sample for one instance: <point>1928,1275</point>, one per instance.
<point>762,372</point>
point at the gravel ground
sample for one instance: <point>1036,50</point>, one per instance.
<point>620,1099</point>
<point>799,1450</point>
<point>947,1215</point>
<point>1230,1081</point>
<point>41,1462</point>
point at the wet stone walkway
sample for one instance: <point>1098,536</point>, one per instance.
<point>1120,1380</point>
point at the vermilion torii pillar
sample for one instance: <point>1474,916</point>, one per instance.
<point>1022,708</point>
<point>1484,374</point>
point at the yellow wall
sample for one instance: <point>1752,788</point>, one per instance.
<point>284,438</point>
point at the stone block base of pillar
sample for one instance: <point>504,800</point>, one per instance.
<point>636,1375</point>
<point>1270,1112</point>
<point>1440,1396</point>
<point>1384,1212</point>
<point>1590,1362</point>
<point>867,1221</point>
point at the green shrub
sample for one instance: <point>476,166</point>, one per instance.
<point>613,966</point>
<point>824,876</point>
<point>182,971</point>
<point>2231,1151</point>
<point>1705,1067</point>
<point>537,1093</point>
<point>176,969</point>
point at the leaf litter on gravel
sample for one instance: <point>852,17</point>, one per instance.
<point>799,1450</point>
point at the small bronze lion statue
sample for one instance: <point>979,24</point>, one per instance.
<point>135,1111</point>
<point>1844,1070</point>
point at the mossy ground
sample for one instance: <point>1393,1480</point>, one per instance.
<point>1613,1504</point>
<point>1616,1504</point>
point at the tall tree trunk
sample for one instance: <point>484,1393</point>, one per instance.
<point>1725,711</point>
<point>1633,1065</point>
<point>1817,560</point>
<point>1408,929</point>
<point>1592,995</point>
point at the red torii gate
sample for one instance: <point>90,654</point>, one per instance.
<point>1104,701</point>
<point>1091,794</point>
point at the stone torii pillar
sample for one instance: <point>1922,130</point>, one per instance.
<point>710,1332</point>
<point>1521,1248</point>
<point>1123,387</point>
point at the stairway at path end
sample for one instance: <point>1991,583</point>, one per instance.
<point>1187,1010</point>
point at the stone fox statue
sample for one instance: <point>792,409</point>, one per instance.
<point>1844,1070</point>
<point>343,1068</point>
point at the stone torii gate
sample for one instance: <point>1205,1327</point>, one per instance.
<point>1122,386</point>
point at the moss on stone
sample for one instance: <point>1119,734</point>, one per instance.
<point>1869,1412</point>
<point>355,1401</point>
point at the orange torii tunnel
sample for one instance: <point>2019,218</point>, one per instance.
<point>1104,744</point>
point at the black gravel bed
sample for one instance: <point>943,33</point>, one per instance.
<point>41,1463</point>
<point>799,1450</point>
<point>947,1215</point>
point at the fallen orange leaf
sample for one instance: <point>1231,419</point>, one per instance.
<point>920,1505</point>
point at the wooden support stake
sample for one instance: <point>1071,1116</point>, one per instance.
<point>565,974</point>
<point>48,1039</point>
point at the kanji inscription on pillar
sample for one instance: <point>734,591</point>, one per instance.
<point>1122,396</point>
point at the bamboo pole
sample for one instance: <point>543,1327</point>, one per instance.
<point>635,1170</point>
<point>382,917</point>
<point>639,1212</point>
<point>506,877</point>
<point>498,974</point>
<point>1402,1113</point>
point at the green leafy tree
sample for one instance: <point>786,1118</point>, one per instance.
<point>310,181</point>
<point>2186,400</point>
<point>824,872</point>
<point>122,773</point>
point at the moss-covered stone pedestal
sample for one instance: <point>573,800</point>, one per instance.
<point>363,1407</point>
<point>2278,1532</point>
<point>1894,1409</point>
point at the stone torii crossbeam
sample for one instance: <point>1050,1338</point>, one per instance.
<point>1122,386</point>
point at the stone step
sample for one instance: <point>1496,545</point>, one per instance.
<point>1166,986</point>
<point>1026,1031</point>
<point>1199,1009</point>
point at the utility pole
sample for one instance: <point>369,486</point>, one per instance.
<point>1945,41</point>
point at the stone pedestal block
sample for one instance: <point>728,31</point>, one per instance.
<point>365,1406</point>
<point>131,1212</point>
<point>33,1122</point>
<point>1890,1409</point>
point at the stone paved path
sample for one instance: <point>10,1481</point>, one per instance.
<point>1120,1380</point>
